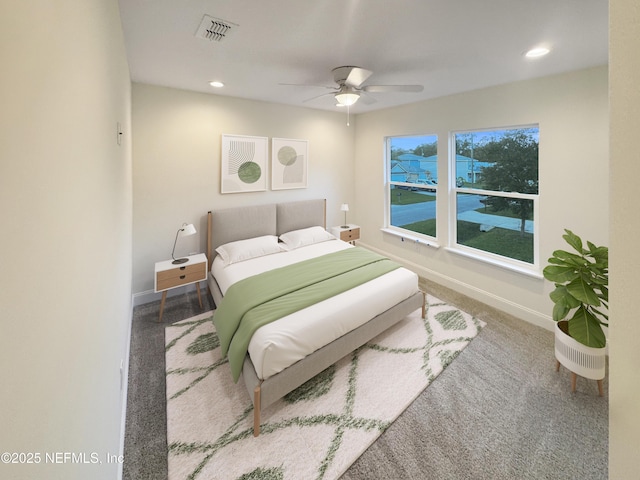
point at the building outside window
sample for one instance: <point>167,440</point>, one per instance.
<point>412,184</point>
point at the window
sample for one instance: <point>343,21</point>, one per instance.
<point>412,181</point>
<point>496,193</point>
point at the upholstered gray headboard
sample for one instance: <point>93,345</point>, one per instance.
<point>296,215</point>
<point>239,223</point>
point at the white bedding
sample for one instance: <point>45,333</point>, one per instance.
<point>280,344</point>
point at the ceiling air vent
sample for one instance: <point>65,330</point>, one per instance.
<point>215,29</point>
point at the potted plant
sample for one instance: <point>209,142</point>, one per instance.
<point>580,300</point>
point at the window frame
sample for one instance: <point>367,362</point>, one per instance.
<point>534,268</point>
<point>410,235</point>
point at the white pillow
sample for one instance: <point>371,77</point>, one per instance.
<point>306,236</point>
<point>234,252</point>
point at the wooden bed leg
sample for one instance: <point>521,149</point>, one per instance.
<point>424,304</point>
<point>256,411</point>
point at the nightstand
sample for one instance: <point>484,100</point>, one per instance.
<point>169,275</point>
<point>347,233</point>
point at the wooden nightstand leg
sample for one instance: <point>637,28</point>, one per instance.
<point>164,297</point>
<point>199,294</point>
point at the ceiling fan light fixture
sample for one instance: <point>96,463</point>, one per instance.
<point>537,52</point>
<point>347,98</point>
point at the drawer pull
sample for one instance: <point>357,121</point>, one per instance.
<point>182,277</point>
<point>182,268</point>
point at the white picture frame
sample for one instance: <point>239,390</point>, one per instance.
<point>289,163</point>
<point>244,162</point>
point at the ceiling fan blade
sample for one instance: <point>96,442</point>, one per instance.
<point>308,85</point>
<point>366,99</point>
<point>350,76</point>
<point>318,96</point>
<point>392,88</point>
<point>357,76</point>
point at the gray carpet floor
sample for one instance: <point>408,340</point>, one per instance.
<point>499,411</point>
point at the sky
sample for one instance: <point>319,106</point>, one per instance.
<point>412,141</point>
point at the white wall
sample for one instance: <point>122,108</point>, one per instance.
<point>65,205</point>
<point>176,166</point>
<point>572,113</point>
<point>624,358</point>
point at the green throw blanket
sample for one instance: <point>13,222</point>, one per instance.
<point>258,300</point>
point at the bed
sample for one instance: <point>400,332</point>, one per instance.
<point>284,354</point>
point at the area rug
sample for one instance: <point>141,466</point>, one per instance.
<point>318,430</point>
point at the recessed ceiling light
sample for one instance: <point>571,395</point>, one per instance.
<point>537,52</point>
<point>216,84</point>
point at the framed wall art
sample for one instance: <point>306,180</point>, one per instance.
<point>289,161</point>
<point>244,164</point>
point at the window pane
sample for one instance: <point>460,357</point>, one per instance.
<point>413,208</point>
<point>412,166</point>
<point>414,159</point>
<point>503,160</point>
<point>495,224</point>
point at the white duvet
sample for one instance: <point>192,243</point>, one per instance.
<point>280,344</point>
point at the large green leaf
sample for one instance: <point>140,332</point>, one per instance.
<point>599,254</point>
<point>573,240</point>
<point>570,258</point>
<point>559,274</point>
<point>602,317</point>
<point>585,328</point>
<point>583,291</point>
<point>562,295</point>
<point>560,311</point>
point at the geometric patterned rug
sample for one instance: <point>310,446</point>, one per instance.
<point>318,430</point>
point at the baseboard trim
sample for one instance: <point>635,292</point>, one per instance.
<point>490,299</point>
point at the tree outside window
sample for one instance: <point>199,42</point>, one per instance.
<point>497,191</point>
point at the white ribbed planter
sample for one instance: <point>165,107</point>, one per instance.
<point>588,362</point>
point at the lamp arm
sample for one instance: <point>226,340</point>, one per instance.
<point>175,242</point>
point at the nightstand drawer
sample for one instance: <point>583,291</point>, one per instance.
<point>180,276</point>
<point>350,235</point>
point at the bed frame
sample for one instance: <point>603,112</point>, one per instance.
<point>240,223</point>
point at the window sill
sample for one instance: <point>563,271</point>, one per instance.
<point>410,238</point>
<point>524,270</point>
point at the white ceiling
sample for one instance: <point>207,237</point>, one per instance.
<point>449,46</point>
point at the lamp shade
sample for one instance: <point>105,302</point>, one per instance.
<point>187,230</point>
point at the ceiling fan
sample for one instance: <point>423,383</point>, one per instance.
<point>350,89</point>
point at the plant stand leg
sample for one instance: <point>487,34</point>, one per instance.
<point>574,379</point>
<point>557,365</point>
<point>600,389</point>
